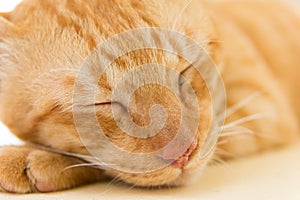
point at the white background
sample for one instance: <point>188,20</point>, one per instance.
<point>7,5</point>
<point>5,136</point>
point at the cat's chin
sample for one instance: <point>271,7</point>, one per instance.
<point>168,176</point>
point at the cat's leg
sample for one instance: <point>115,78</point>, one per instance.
<point>25,169</point>
<point>266,120</point>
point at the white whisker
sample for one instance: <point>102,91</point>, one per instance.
<point>267,136</point>
<point>180,14</point>
<point>94,165</point>
<point>241,104</point>
<point>222,142</point>
<point>244,120</point>
<point>237,132</point>
<point>219,162</point>
<point>222,152</point>
<point>85,158</point>
<point>235,128</point>
<point>114,181</point>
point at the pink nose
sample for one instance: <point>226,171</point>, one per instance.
<point>183,160</point>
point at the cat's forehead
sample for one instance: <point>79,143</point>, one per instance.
<point>132,61</point>
<point>147,69</point>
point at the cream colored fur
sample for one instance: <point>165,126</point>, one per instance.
<point>255,45</point>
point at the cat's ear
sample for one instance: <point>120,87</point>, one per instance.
<point>5,14</point>
<point>5,24</point>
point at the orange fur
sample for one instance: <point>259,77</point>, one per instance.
<point>44,42</point>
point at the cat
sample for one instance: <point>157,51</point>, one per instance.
<point>43,44</point>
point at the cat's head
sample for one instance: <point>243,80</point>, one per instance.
<point>54,91</point>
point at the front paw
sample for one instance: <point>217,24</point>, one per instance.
<point>27,170</point>
<point>13,173</point>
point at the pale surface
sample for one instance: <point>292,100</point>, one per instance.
<point>274,175</point>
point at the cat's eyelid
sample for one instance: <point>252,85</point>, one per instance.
<point>102,103</point>
<point>107,103</point>
<point>186,69</point>
<point>180,80</point>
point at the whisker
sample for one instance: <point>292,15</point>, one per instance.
<point>114,181</point>
<point>233,128</point>
<point>180,14</point>
<point>238,130</point>
<point>222,142</point>
<point>241,104</point>
<point>94,165</point>
<point>222,152</point>
<point>266,136</point>
<point>132,187</point>
<point>196,31</point>
<point>242,131</point>
<point>85,158</point>
<point>219,162</point>
<point>234,133</point>
<point>244,120</point>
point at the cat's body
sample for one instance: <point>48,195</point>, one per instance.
<point>254,44</point>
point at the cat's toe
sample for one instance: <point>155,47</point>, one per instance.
<point>44,186</point>
<point>13,177</point>
<point>45,170</point>
<point>39,184</point>
<point>26,170</point>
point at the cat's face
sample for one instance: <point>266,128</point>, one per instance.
<point>37,99</point>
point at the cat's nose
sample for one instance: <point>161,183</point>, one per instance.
<point>183,160</point>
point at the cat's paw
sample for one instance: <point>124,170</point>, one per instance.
<point>27,170</point>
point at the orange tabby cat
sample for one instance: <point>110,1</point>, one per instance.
<point>43,44</point>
